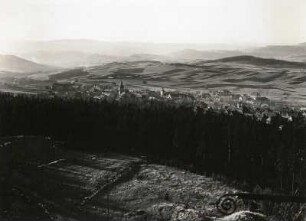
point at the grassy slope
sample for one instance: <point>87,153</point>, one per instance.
<point>75,185</point>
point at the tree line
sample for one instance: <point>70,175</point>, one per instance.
<point>230,143</point>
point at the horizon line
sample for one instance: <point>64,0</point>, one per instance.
<point>248,44</point>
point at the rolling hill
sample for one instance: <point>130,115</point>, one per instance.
<point>273,78</point>
<point>252,60</point>
<point>285,52</point>
<point>73,59</point>
<point>295,53</point>
<point>11,63</point>
<point>191,54</point>
<point>68,59</point>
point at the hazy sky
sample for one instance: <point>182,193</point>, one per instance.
<point>195,21</point>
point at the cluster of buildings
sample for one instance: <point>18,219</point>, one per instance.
<point>227,99</point>
<point>219,99</point>
<point>214,99</point>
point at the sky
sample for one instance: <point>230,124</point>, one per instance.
<point>166,21</point>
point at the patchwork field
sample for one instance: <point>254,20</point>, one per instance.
<point>276,82</point>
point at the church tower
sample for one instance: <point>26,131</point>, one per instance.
<point>121,88</point>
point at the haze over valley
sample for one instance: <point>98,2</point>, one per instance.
<point>156,110</point>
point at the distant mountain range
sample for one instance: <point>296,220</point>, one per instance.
<point>68,58</point>
<point>84,52</point>
<point>303,44</point>
<point>103,47</point>
<point>11,63</point>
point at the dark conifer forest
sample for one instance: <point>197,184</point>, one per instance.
<point>208,141</point>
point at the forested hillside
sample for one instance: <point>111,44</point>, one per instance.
<point>209,141</point>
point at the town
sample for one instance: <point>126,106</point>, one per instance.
<point>220,100</point>
<point>224,100</point>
